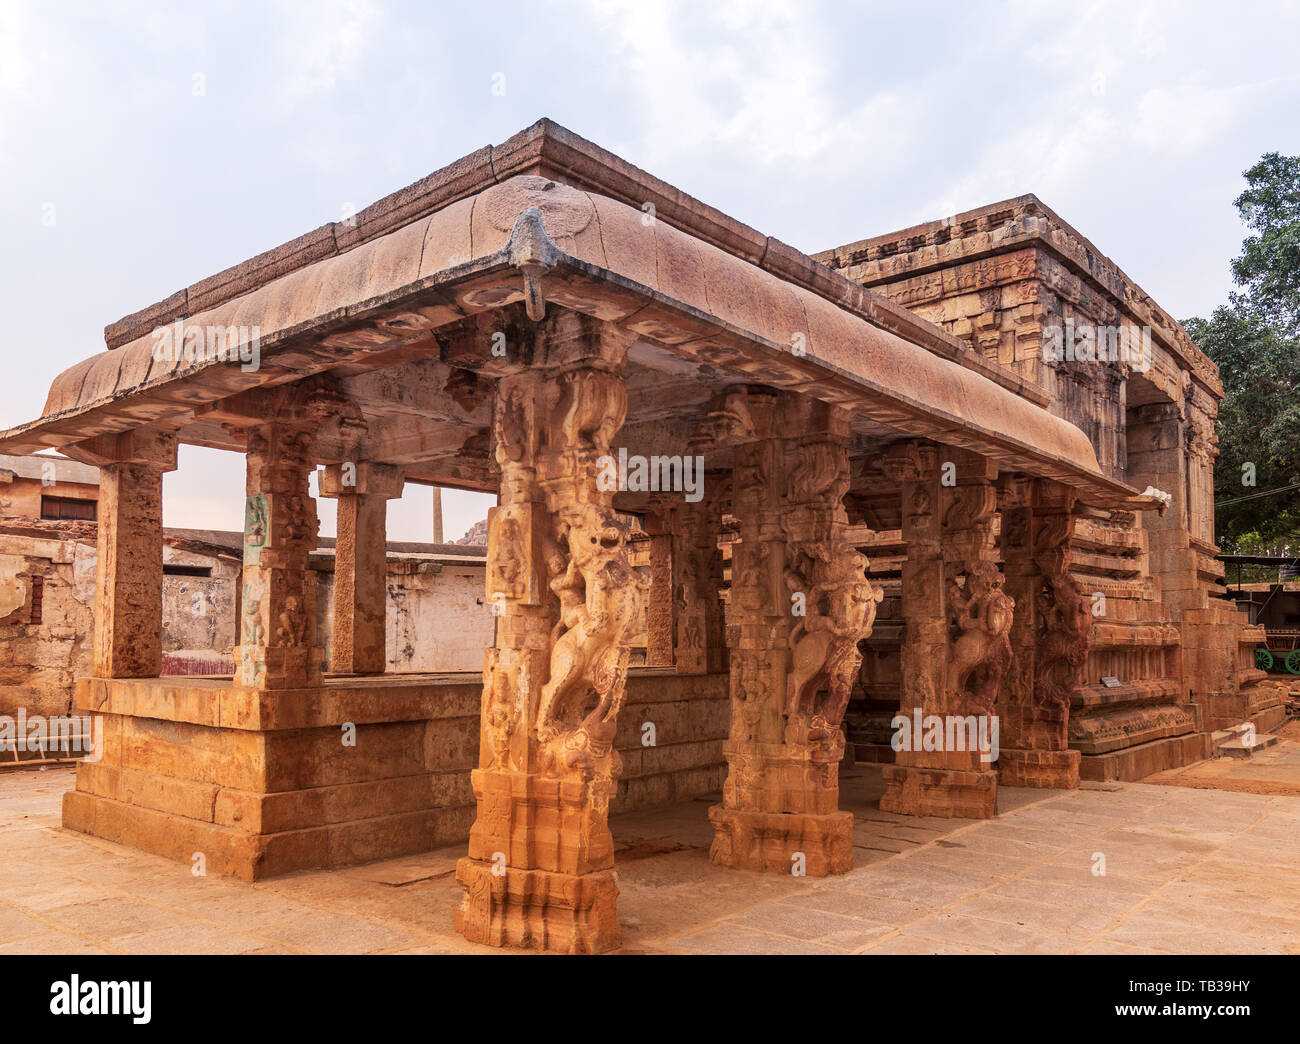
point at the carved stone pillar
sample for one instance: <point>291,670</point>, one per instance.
<point>129,566</point>
<point>956,646</point>
<point>800,603</point>
<point>660,610</point>
<point>278,642</point>
<point>697,586</point>
<point>360,563</point>
<point>1050,636</point>
<point>540,866</point>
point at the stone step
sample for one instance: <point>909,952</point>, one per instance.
<point>1234,745</point>
<point>873,753</point>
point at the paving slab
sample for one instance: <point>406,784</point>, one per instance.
<point>1187,870</point>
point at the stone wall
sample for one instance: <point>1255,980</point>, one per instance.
<point>199,611</point>
<point>284,792</point>
<point>47,590</point>
<point>438,618</point>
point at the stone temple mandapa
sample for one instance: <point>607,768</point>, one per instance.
<point>913,500</point>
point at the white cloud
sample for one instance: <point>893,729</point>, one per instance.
<point>322,44</point>
<point>16,45</point>
<point>750,76</point>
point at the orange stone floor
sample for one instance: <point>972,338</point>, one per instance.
<point>1188,871</point>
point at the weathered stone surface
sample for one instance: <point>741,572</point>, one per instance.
<point>512,325</point>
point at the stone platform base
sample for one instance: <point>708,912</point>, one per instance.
<point>538,909</point>
<point>772,842</point>
<point>237,852</point>
<point>1134,763</point>
<point>1264,704</point>
<point>1269,718</point>
<point>1050,769</point>
<point>268,783</point>
<point>912,790</point>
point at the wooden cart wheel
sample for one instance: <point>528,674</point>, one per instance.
<point>1263,659</point>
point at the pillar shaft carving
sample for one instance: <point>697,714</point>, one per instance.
<point>980,612</point>
<point>957,645</point>
<point>1064,630</point>
<point>661,603</point>
<point>359,633</point>
<point>539,871</point>
<point>279,644</point>
<point>700,641</point>
<point>1051,635</point>
<point>800,603</point>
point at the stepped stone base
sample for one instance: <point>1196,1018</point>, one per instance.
<point>1134,763</point>
<point>1238,743</point>
<point>911,790</point>
<point>235,851</point>
<point>1264,704</point>
<point>1051,769</point>
<point>772,842</point>
<point>538,909</point>
<point>263,784</point>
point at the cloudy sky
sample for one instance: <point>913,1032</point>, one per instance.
<point>145,146</point>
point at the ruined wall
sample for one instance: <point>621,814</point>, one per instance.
<point>438,619</point>
<point>1003,278</point>
<point>22,496</point>
<point>47,589</point>
<point>199,611</point>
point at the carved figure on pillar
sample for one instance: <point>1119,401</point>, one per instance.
<point>800,604</point>
<point>957,645</point>
<point>1065,631</point>
<point>540,866</point>
<point>1051,632</point>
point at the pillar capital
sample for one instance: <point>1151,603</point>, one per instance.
<point>362,478</point>
<point>503,342</point>
<point>150,447</point>
<point>911,461</point>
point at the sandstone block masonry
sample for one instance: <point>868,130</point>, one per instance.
<point>913,511</point>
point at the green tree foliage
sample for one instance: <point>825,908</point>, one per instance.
<point>1255,340</point>
<point>1269,266</point>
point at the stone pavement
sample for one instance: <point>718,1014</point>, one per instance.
<point>1269,770</point>
<point>1187,871</point>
